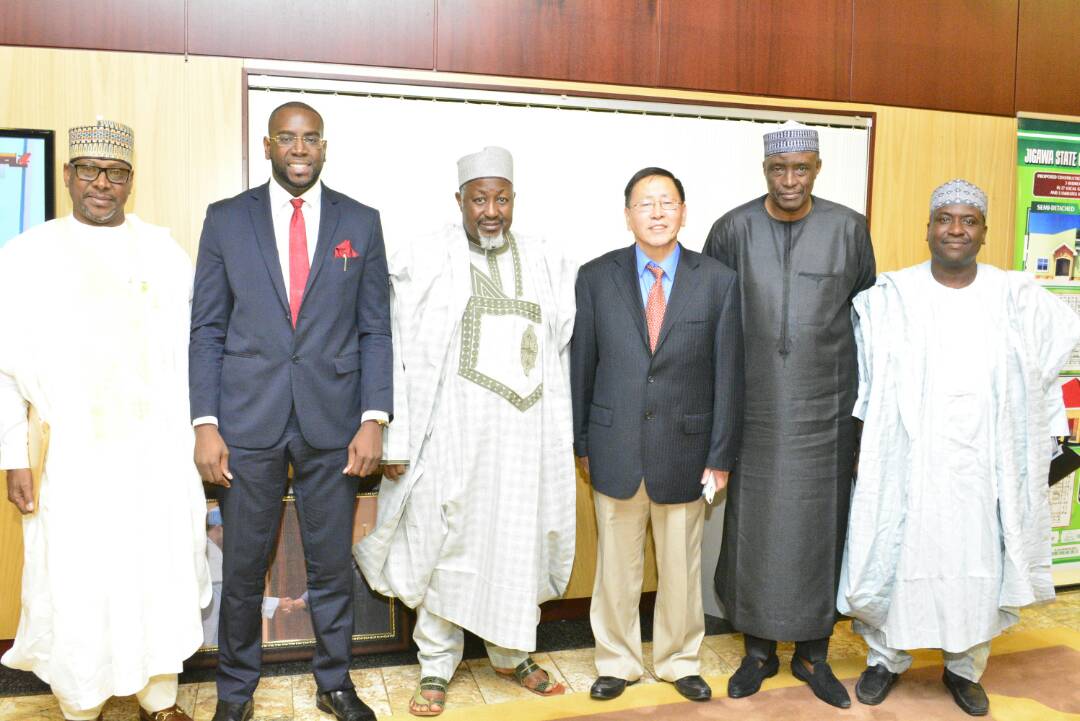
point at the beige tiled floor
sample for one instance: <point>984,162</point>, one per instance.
<point>387,690</point>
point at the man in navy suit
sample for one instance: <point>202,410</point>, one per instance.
<point>290,363</point>
<point>656,366</point>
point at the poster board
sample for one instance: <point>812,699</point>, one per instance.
<point>1047,235</point>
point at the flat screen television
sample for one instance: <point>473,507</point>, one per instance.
<point>27,165</point>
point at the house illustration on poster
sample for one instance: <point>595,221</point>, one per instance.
<point>1052,246</point>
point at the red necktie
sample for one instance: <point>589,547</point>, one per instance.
<point>299,265</point>
<point>654,309</point>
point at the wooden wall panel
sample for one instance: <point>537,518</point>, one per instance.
<point>398,33</point>
<point>187,141</point>
<point>918,150</point>
<point>11,563</point>
<point>607,41</point>
<point>944,54</point>
<point>1048,57</point>
<point>142,25</point>
<point>759,47</point>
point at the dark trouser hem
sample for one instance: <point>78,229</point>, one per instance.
<point>813,651</point>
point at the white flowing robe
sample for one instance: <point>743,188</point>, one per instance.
<point>94,325</point>
<point>481,528</point>
<point>949,528</point>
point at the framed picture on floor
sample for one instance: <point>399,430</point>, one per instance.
<point>379,623</point>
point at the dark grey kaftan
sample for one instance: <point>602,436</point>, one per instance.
<point>787,503</point>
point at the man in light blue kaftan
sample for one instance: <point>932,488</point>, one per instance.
<point>949,529</point>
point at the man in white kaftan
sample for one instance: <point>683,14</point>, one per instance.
<point>949,528</point>
<point>94,322</point>
<point>480,529</point>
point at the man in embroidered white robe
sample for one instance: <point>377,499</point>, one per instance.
<point>94,322</point>
<point>949,528</point>
<point>480,529</point>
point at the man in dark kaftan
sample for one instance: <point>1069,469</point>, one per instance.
<point>800,260</point>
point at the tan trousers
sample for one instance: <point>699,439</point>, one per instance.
<point>159,693</point>
<point>678,619</point>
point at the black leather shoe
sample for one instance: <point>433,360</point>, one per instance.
<point>746,681</point>
<point>605,688</point>
<point>969,696</point>
<point>693,688</point>
<point>874,684</point>
<point>822,682</point>
<point>233,711</point>
<point>344,704</point>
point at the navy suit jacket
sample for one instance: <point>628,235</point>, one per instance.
<point>664,416</point>
<point>248,366</point>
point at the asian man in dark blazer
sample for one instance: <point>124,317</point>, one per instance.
<point>656,376</point>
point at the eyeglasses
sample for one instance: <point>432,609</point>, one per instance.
<point>646,206</point>
<point>90,173</point>
<point>287,139</point>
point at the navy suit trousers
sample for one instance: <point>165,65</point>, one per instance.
<point>251,512</point>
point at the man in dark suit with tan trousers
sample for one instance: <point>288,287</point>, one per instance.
<point>290,364</point>
<point>656,375</point>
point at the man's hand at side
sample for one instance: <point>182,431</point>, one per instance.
<point>713,480</point>
<point>20,489</point>
<point>393,471</point>
<point>365,450</point>
<point>212,455</point>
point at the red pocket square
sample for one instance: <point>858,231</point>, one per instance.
<point>344,249</point>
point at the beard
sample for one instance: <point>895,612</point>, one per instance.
<point>491,242</point>
<point>93,217</point>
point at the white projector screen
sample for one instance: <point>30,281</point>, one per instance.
<point>395,148</point>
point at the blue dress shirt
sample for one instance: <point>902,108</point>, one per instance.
<point>646,278</point>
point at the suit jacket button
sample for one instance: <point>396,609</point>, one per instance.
<point>649,415</point>
<point>652,379</point>
<point>296,359</point>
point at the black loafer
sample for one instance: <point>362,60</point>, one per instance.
<point>693,688</point>
<point>747,679</point>
<point>822,682</point>
<point>226,711</point>
<point>969,696</point>
<point>605,688</point>
<point>874,684</point>
<point>344,704</point>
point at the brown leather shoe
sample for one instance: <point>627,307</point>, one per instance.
<point>173,713</point>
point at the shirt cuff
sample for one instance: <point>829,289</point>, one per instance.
<point>204,420</point>
<point>14,455</point>
<point>14,451</point>
<point>380,416</point>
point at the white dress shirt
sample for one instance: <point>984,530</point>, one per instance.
<point>282,211</point>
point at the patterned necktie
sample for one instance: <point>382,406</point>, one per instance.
<point>654,309</point>
<point>299,265</point>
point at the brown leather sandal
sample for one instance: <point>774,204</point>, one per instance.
<point>525,670</point>
<point>421,705</point>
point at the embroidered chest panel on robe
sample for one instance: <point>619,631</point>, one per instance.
<point>500,333</point>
